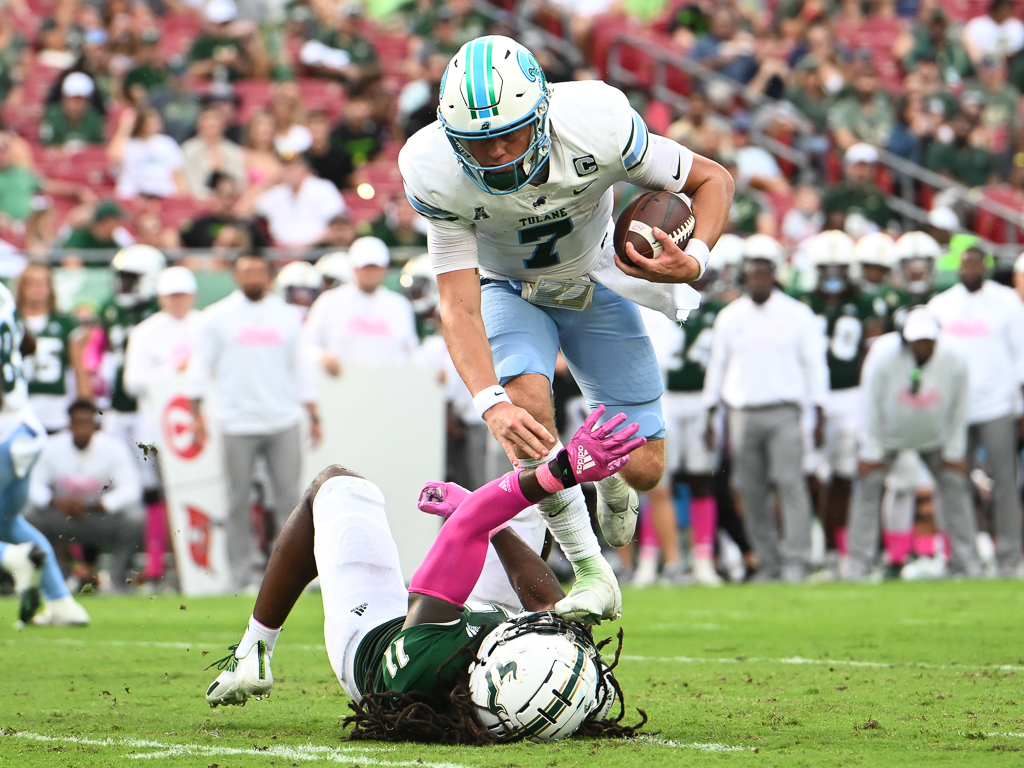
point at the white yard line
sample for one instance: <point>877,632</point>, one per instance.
<point>360,755</point>
<point>305,752</point>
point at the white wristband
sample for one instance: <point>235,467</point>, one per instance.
<point>700,251</point>
<point>488,398</point>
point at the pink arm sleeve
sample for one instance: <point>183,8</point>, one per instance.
<point>453,564</point>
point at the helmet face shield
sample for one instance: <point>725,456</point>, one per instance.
<point>833,279</point>
<point>514,175</point>
<point>918,274</point>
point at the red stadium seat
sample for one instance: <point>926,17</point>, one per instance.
<point>993,227</point>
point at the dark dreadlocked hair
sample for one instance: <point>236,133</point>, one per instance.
<point>393,716</point>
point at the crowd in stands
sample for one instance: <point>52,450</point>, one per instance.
<point>236,126</point>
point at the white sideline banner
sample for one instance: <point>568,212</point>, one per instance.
<point>388,424</point>
<point>195,489</point>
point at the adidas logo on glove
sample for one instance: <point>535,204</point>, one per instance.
<point>583,460</point>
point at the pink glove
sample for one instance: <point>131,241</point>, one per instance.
<point>441,499</point>
<point>594,453</point>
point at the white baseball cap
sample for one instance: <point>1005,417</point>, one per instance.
<point>944,218</point>
<point>294,143</point>
<point>176,280</point>
<point>220,11</point>
<point>77,84</point>
<point>369,252</point>
<point>1018,265</point>
<point>860,153</point>
<point>921,324</point>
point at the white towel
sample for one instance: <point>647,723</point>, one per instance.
<point>674,300</point>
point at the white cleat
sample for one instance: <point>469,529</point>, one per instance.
<point>646,573</point>
<point>25,564</point>
<point>704,572</point>
<point>242,678</point>
<point>595,595</point>
<point>63,612</point>
<point>925,568</point>
<point>618,525</point>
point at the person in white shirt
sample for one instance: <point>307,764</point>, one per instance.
<point>250,352</point>
<point>158,347</point>
<point>984,322</point>
<point>767,363</point>
<point>151,162</point>
<point>298,209</point>
<point>997,33</point>
<point>917,398</point>
<point>362,323</point>
<point>85,488</point>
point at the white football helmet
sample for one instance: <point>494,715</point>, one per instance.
<point>299,283</point>
<point>832,254</point>
<point>419,284</point>
<point>876,249</point>
<point>335,268</point>
<point>764,247</point>
<point>536,678</point>
<point>493,87</point>
<point>916,254</point>
<point>136,271</point>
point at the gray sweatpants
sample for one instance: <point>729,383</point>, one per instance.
<point>999,438</point>
<point>119,533</point>
<point>957,516</point>
<point>282,452</point>
<point>767,445</point>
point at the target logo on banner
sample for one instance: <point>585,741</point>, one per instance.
<point>179,428</point>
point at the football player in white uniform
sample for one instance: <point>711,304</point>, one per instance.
<point>515,181</point>
<point>24,551</point>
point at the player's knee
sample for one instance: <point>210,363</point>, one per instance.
<point>646,467</point>
<point>329,472</point>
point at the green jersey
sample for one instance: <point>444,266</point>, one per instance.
<point>46,370</point>
<point>693,356</point>
<point>843,325</point>
<point>413,659</point>
<point>118,322</point>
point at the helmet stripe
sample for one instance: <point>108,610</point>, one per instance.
<point>480,78</point>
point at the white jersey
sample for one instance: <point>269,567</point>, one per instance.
<point>562,227</point>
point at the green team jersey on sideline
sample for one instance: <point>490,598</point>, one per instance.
<point>118,322</point>
<point>843,325</point>
<point>46,370</point>
<point>695,353</point>
<point>406,660</point>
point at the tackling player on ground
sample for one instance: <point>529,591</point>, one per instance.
<point>403,656</point>
<point>515,182</point>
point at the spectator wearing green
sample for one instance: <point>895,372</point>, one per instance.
<point>858,191</point>
<point>150,69</point>
<point>959,160</point>
<point>999,107</point>
<point>398,225</point>
<point>219,53</point>
<point>176,101</point>
<point>73,120</point>
<point>104,232</point>
<point>18,185</point>
<point>931,37</point>
<point>336,49</point>
<point>808,93</point>
<point>867,114</point>
<point>13,46</point>
<point>750,213</point>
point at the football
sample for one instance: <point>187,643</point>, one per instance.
<point>667,211</point>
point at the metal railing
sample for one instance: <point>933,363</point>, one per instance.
<point>213,258</point>
<point>904,171</point>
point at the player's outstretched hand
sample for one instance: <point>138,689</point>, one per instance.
<point>441,499</point>
<point>672,265</point>
<point>514,427</point>
<point>598,451</point>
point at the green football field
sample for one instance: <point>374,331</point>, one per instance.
<point>889,675</point>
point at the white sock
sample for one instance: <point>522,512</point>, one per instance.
<point>614,492</point>
<point>566,516</point>
<point>253,634</point>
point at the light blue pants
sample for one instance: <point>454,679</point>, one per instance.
<point>606,347</point>
<point>14,528</point>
